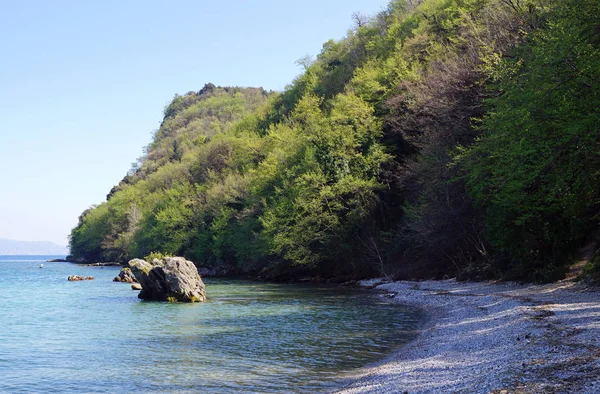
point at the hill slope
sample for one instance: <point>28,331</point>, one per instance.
<point>439,137</point>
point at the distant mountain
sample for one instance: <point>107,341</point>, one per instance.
<point>11,247</point>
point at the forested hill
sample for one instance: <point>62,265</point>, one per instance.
<point>438,138</point>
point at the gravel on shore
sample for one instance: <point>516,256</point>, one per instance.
<point>488,337</point>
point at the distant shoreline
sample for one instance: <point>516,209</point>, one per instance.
<point>58,258</point>
<point>67,260</point>
<point>40,256</point>
<point>12,247</point>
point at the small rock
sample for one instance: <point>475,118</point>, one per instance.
<point>125,276</point>
<point>76,278</point>
<point>136,286</point>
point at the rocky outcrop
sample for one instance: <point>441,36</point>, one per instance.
<point>169,279</point>
<point>76,278</point>
<point>125,276</point>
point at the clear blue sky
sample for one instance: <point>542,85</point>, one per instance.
<point>83,85</point>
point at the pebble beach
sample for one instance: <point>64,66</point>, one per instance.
<point>489,337</point>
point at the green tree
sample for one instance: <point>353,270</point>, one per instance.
<point>535,169</point>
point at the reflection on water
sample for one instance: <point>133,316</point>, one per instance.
<point>96,336</point>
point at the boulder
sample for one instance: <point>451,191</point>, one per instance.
<point>168,279</point>
<point>136,286</point>
<point>125,276</point>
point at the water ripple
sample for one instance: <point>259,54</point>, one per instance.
<point>97,337</point>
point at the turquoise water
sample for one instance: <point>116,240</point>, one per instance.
<point>98,337</point>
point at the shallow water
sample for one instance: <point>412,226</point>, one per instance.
<point>98,337</point>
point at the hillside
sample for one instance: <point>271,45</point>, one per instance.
<point>438,138</point>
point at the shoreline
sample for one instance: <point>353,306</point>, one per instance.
<point>491,337</point>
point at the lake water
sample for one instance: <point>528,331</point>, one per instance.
<point>98,337</point>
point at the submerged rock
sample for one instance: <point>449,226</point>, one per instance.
<point>76,278</point>
<point>125,276</point>
<point>169,279</point>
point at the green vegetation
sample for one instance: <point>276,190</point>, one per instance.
<point>591,271</point>
<point>536,169</point>
<point>441,137</point>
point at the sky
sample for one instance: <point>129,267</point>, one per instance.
<point>83,85</point>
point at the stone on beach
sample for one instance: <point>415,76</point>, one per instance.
<point>168,279</point>
<point>493,337</point>
<point>125,276</point>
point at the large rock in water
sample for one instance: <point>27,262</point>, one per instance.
<point>169,279</point>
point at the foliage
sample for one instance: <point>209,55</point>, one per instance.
<point>439,137</point>
<point>154,255</point>
<point>535,169</point>
<point>591,271</point>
